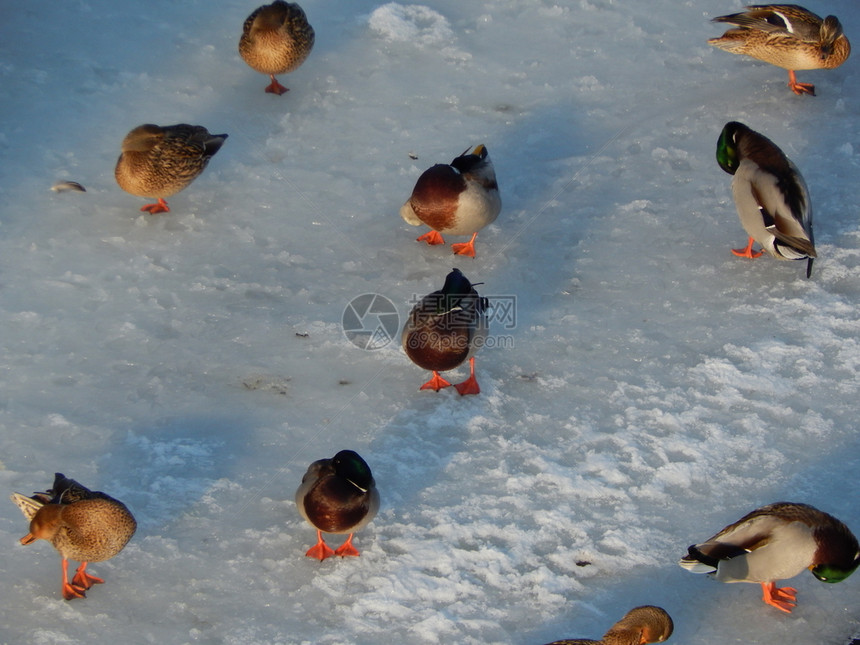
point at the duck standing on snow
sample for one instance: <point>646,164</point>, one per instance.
<point>337,495</point>
<point>787,36</point>
<point>459,198</point>
<point>444,329</point>
<point>276,39</point>
<point>770,195</point>
<point>83,525</point>
<point>640,625</point>
<point>159,161</point>
<point>777,542</point>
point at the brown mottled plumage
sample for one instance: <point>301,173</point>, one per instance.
<point>337,495</point>
<point>159,161</point>
<point>83,525</point>
<point>459,198</point>
<point>640,625</point>
<point>276,39</point>
<point>444,329</point>
<point>788,36</point>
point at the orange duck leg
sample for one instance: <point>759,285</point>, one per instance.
<point>465,248</point>
<point>799,88</point>
<point>320,550</point>
<point>346,548</point>
<point>160,207</point>
<point>432,237</point>
<point>436,383</point>
<point>470,385</point>
<point>747,252</point>
<point>783,598</point>
<point>276,88</point>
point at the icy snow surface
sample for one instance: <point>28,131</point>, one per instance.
<point>193,364</point>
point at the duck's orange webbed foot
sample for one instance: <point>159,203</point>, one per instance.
<point>747,252</point>
<point>470,385</point>
<point>433,238</point>
<point>436,383</point>
<point>346,548</point>
<point>276,88</point>
<point>70,592</point>
<point>465,248</point>
<point>783,598</point>
<point>160,207</point>
<point>83,580</point>
<point>800,88</point>
<point>320,550</point>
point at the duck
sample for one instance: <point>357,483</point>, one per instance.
<point>337,495</point>
<point>83,525</point>
<point>159,161</point>
<point>459,198</point>
<point>770,196</point>
<point>788,36</point>
<point>777,542</point>
<point>276,39</point>
<point>444,329</point>
<point>640,625</point>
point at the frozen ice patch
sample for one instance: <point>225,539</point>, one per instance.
<point>410,23</point>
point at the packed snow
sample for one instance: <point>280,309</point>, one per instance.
<point>647,389</point>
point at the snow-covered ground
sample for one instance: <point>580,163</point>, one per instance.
<point>193,364</point>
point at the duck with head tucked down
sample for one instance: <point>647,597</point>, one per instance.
<point>83,525</point>
<point>459,198</point>
<point>640,625</point>
<point>776,542</point>
<point>337,495</point>
<point>444,329</point>
<point>788,36</point>
<point>276,39</point>
<point>159,161</point>
<point>770,196</point>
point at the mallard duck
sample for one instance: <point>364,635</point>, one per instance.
<point>337,495</point>
<point>83,525</point>
<point>459,198</point>
<point>276,39</point>
<point>159,161</point>
<point>788,36</point>
<point>640,625</point>
<point>770,195</point>
<point>776,542</point>
<point>444,329</point>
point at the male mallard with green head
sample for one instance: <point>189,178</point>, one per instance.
<point>444,329</point>
<point>640,625</point>
<point>83,525</point>
<point>788,36</point>
<point>276,39</point>
<point>777,542</point>
<point>159,161</point>
<point>337,495</point>
<point>770,195</point>
<point>459,198</point>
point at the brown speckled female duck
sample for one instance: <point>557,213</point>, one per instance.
<point>159,161</point>
<point>276,39</point>
<point>788,36</point>
<point>640,625</point>
<point>83,525</point>
<point>337,495</point>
